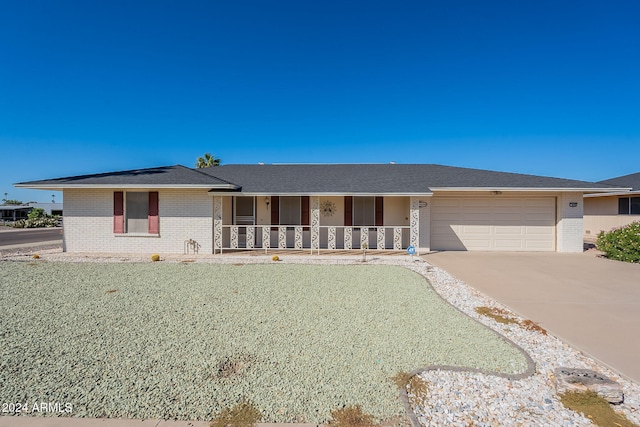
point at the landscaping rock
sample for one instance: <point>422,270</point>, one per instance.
<point>572,379</point>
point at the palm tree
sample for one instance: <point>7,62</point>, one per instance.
<point>207,161</point>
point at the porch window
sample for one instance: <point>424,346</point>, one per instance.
<point>244,211</point>
<point>367,211</point>
<point>290,210</point>
<point>364,213</point>
<point>629,206</point>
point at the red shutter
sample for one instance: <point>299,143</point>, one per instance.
<point>118,212</point>
<point>304,208</point>
<point>348,211</point>
<point>153,213</point>
<point>275,211</point>
<point>379,212</point>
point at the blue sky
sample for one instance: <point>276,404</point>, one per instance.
<point>544,87</point>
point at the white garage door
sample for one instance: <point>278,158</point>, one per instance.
<point>493,224</point>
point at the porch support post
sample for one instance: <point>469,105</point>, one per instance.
<point>315,223</point>
<point>298,237</point>
<point>217,223</point>
<point>266,238</point>
<point>381,238</point>
<point>414,223</point>
<point>250,237</point>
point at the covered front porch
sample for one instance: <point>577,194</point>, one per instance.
<point>316,223</point>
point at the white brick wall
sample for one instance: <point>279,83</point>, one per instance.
<point>184,214</point>
<point>570,222</point>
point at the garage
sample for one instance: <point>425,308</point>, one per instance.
<point>499,223</point>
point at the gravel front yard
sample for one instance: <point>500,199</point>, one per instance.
<point>183,341</point>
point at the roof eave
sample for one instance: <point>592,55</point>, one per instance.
<point>528,189</point>
<point>319,194</point>
<point>615,193</point>
<point>61,187</point>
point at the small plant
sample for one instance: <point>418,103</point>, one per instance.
<point>243,414</point>
<point>35,256</point>
<point>502,316</point>
<point>533,326</point>
<point>412,384</point>
<point>275,258</point>
<point>499,315</point>
<point>155,257</point>
<point>351,416</point>
<point>621,244</point>
<point>595,408</point>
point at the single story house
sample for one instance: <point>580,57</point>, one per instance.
<point>604,211</point>
<point>16,212</point>
<point>431,207</point>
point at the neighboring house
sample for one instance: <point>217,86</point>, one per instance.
<point>13,213</point>
<point>602,212</point>
<point>316,207</point>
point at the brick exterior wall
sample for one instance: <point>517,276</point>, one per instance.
<point>570,223</point>
<point>184,214</point>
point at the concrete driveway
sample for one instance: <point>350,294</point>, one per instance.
<point>589,302</point>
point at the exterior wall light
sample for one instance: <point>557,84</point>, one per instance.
<point>497,193</point>
<point>266,201</point>
<point>573,204</point>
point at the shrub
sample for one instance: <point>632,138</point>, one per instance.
<point>45,221</point>
<point>351,416</point>
<point>594,407</point>
<point>36,213</point>
<point>35,256</point>
<point>622,244</point>
<point>244,414</point>
<point>275,258</point>
<point>155,257</point>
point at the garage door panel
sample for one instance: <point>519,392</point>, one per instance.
<point>489,223</point>
<point>476,229</point>
<point>508,245</point>
<point>514,230</point>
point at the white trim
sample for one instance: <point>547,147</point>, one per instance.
<point>618,193</point>
<point>221,193</point>
<point>526,189</point>
<point>118,187</point>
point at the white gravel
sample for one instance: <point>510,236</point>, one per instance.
<point>463,398</point>
<point>458,398</point>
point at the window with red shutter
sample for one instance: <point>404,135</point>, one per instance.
<point>118,212</point>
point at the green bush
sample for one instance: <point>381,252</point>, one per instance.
<point>36,213</point>
<point>622,244</point>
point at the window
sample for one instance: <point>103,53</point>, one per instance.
<point>364,213</point>
<point>135,212</point>
<point>290,208</point>
<point>244,211</point>
<point>629,206</point>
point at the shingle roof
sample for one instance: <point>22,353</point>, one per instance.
<point>318,179</point>
<point>631,180</point>
<point>378,178</point>
<point>164,176</point>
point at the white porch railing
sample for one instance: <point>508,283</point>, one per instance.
<point>298,237</point>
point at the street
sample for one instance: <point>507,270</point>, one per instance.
<point>21,236</point>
